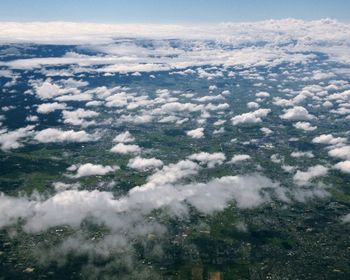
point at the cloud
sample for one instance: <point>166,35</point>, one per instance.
<point>262,94</point>
<point>342,152</point>
<point>251,117</point>
<point>304,177</point>
<point>297,113</point>
<point>298,154</point>
<point>266,130</point>
<point>253,105</point>
<point>124,137</point>
<point>239,158</point>
<point>50,107</point>
<point>343,166</point>
<point>78,117</point>
<point>122,148</point>
<point>208,159</point>
<point>53,135</point>
<point>196,133</point>
<point>11,139</point>
<point>346,218</point>
<point>89,169</point>
<point>144,164</point>
<point>329,139</point>
<point>304,126</point>
<point>48,89</point>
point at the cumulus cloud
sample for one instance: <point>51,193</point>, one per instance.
<point>124,137</point>
<point>79,116</point>
<point>297,113</point>
<point>342,152</point>
<point>253,105</point>
<point>304,177</point>
<point>122,148</point>
<point>251,117</point>
<point>12,139</point>
<point>262,94</point>
<point>196,133</point>
<point>89,169</point>
<point>239,158</point>
<point>52,135</point>
<point>304,126</point>
<point>266,130</point>
<point>209,159</point>
<point>144,164</point>
<point>298,154</point>
<point>343,166</point>
<point>329,139</point>
<point>50,107</point>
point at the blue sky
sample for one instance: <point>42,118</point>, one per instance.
<point>171,11</point>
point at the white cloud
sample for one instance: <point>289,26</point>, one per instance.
<point>11,139</point>
<point>304,126</point>
<point>346,218</point>
<point>52,135</point>
<point>90,169</point>
<point>262,94</point>
<point>342,152</point>
<point>298,154</point>
<point>253,105</point>
<point>122,148</point>
<point>196,133</point>
<point>343,166</point>
<point>209,159</point>
<point>251,117</point>
<point>329,139</point>
<point>124,137</point>
<point>239,158</point>
<point>297,113</point>
<point>144,164</point>
<point>79,116</point>
<point>266,130</point>
<point>304,177</point>
<point>50,107</point>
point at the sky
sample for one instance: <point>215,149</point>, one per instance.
<point>171,11</point>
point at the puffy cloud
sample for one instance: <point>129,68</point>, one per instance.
<point>143,164</point>
<point>124,137</point>
<point>52,135</point>
<point>262,94</point>
<point>50,107</point>
<point>11,139</point>
<point>297,113</point>
<point>196,133</point>
<point>209,159</point>
<point>343,166</point>
<point>90,169</point>
<point>329,139</point>
<point>173,107</point>
<point>49,89</point>
<point>346,218</point>
<point>266,130</point>
<point>79,116</point>
<point>117,100</point>
<point>122,148</point>
<point>341,152</point>
<point>304,126</point>
<point>170,174</point>
<point>253,105</point>
<point>71,207</point>
<point>251,117</point>
<point>239,158</point>
<point>297,154</point>
<point>303,177</point>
